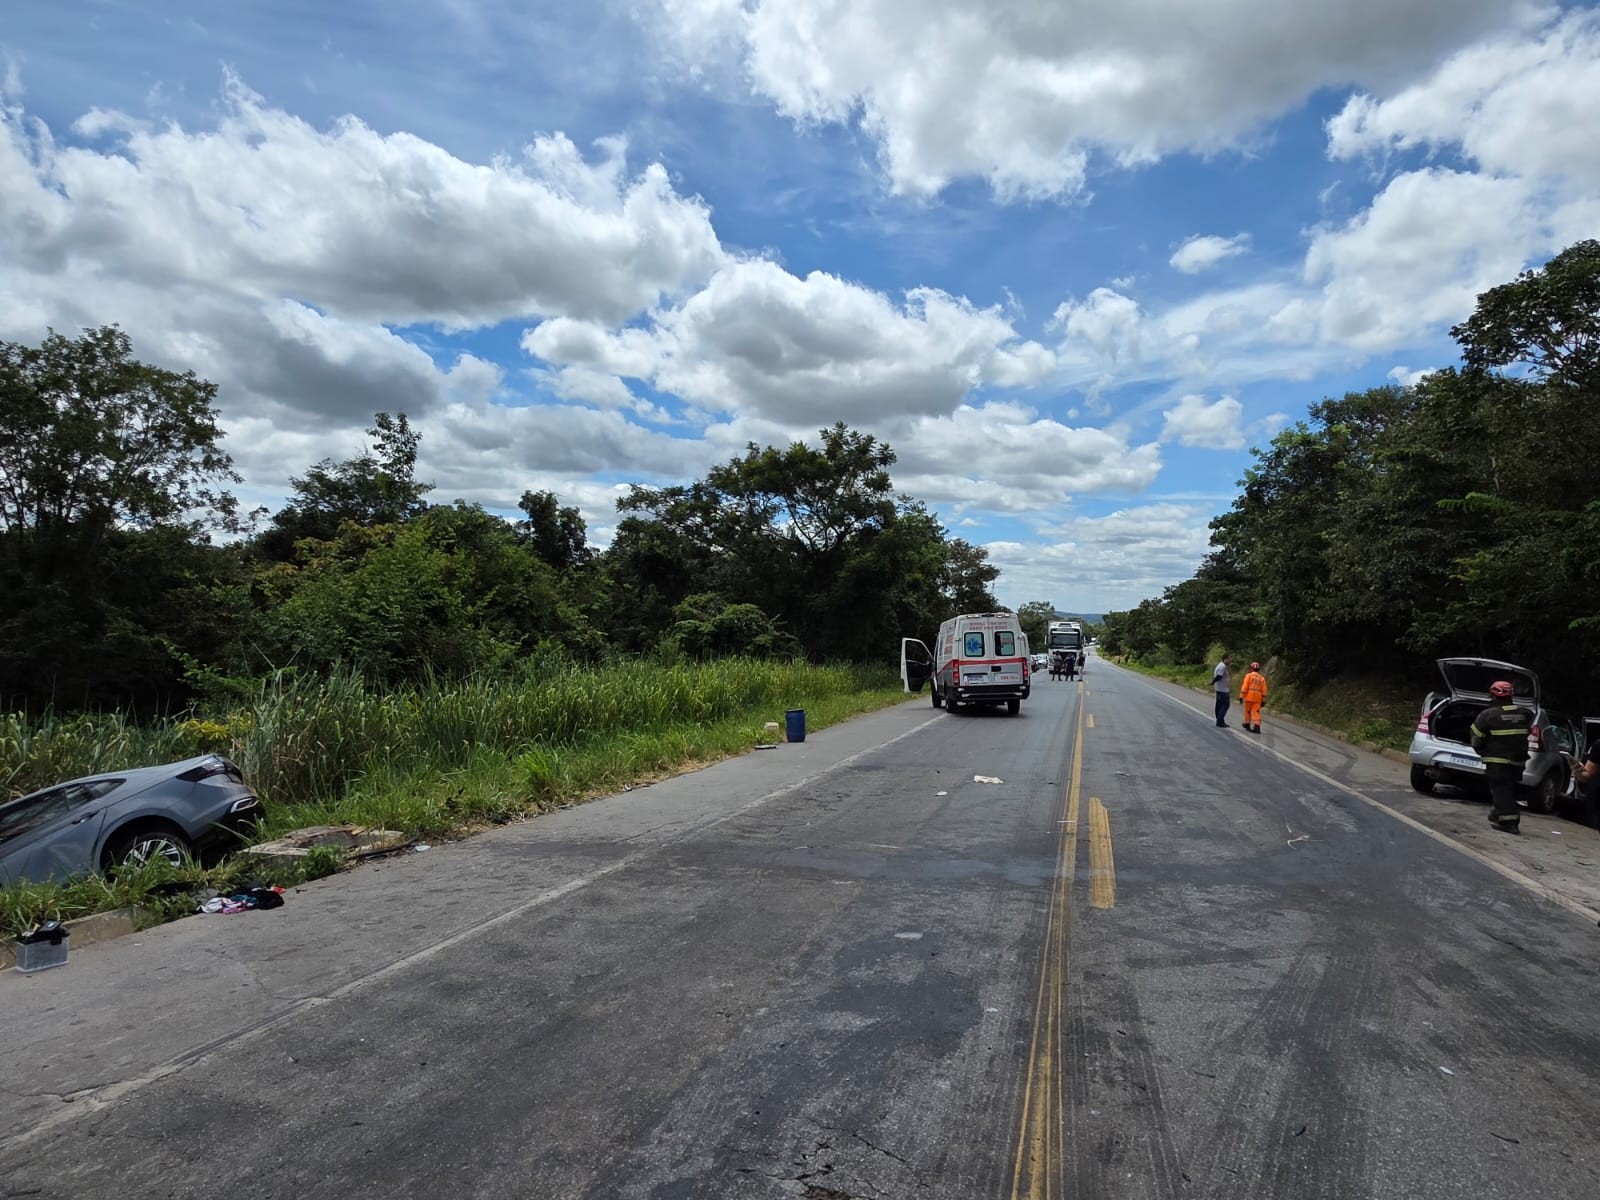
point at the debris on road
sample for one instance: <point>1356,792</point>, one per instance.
<point>1447,1070</point>
<point>256,896</point>
<point>420,847</point>
<point>986,779</point>
<point>42,947</point>
<point>941,793</point>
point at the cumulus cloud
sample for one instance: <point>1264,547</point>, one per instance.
<point>1518,109</point>
<point>275,258</point>
<point>1209,426</point>
<point>1201,253</point>
<point>1522,183</point>
<point>1418,258</point>
<point>1516,105</point>
<point>1021,94</point>
<point>1406,377</point>
<point>1111,561</point>
<point>366,226</point>
<point>1002,457</point>
<point>806,351</point>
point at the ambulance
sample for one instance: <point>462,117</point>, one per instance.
<point>977,659</point>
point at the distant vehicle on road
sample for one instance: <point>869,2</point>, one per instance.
<point>1441,747</point>
<point>124,818</point>
<point>977,659</point>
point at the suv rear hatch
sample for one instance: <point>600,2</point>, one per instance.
<point>1469,679</point>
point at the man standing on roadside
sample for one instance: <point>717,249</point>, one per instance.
<point>1253,694</point>
<point>1223,686</point>
<point>1500,736</point>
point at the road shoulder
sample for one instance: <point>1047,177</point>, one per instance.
<point>1559,857</point>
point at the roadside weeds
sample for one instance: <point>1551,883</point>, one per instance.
<point>435,798</point>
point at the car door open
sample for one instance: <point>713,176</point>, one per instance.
<point>916,664</point>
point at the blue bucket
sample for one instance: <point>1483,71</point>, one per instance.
<point>795,724</point>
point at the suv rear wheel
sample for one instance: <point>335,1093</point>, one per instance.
<point>1546,794</point>
<point>1422,781</point>
<point>136,847</point>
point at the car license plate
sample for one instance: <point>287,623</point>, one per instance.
<point>1461,760</point>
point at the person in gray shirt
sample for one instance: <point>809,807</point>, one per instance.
<point>1223,686</point>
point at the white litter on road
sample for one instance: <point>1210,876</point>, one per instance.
<point>986,779</point>
<point>1447,1070</point>
<point>909,937</point>
<point>941,793</point>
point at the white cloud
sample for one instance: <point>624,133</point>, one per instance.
<point>1418,258</point>
<point>807,351</point>
<point>1109,562</point>
<point>1269,425</point>
<point>1021,94</point>
<point>366,226</point>
<point>1001,457</point>
<point>1201,253</point>
<point>1523,183</point>
<point>1405,377</point>
<point>1209,426</point>
<point>1516,105</point>
<point>1519,109</point>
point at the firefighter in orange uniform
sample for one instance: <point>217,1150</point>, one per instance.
<point>1253,694</point>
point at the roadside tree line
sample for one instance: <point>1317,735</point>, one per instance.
<point>131,576</point>
<point>1460,515</point>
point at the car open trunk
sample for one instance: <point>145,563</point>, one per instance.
<point>1471,678</point>
<point>1452,720</point>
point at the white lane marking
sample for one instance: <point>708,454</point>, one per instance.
<point>92,1100</point>
<point>1444,839</point>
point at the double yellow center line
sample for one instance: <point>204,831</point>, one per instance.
<point>1041,1149</point>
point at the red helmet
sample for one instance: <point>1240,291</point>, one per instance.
<point>1501,689</point>
<point>1255,666</point>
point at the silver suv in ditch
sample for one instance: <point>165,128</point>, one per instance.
<point>1441,748</point>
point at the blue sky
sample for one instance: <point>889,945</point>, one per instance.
<point>1071,260</point>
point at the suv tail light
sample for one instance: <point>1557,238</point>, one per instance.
<point>1535,739</point>
<point>210,769</point>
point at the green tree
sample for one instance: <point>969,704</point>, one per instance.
<point>1547,319</point>
<point>376,487</point>
<point>1035,617</point>
<point>558,535</point>
<point>111,471</point>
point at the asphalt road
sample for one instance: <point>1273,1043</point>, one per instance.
<point>1155,961</point>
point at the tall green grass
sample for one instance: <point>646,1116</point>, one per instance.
<point>447,756</point>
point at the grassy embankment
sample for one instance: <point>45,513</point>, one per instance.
<point>1366,711</point>
<point>433,762</point>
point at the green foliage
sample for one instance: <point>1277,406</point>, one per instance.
<point>1460,516</point>
<point>813,537</point>
<point>1035,617</point>
<point>556,534</point>
<point>110,470</point>
<point>377,487</point>
<point>1548,320</point>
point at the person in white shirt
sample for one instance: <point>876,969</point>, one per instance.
<point>1223,686</point>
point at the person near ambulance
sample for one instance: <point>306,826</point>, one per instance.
<point>1500,736</point>
<point>1253,694</point>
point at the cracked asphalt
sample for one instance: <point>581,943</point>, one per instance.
<point>845,969</point>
